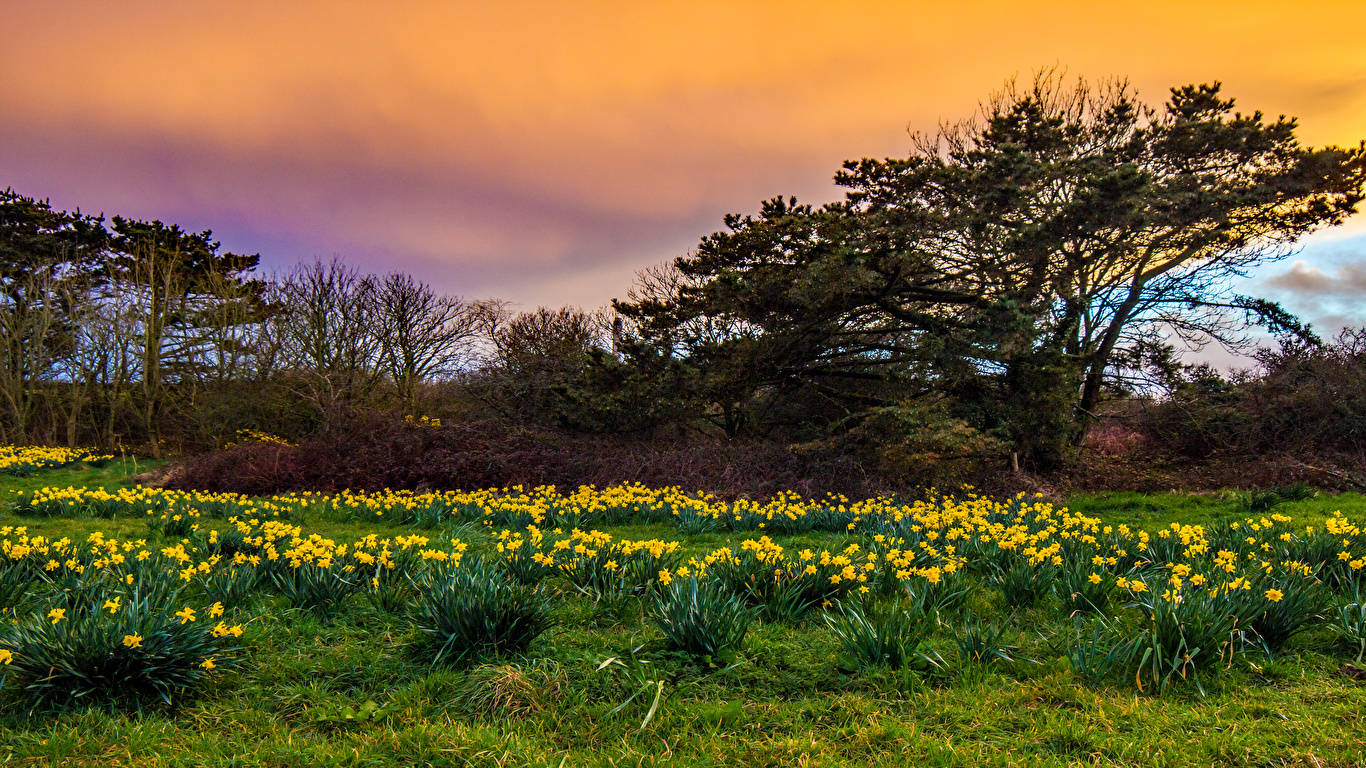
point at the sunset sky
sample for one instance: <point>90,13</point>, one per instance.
<point>544,152</point>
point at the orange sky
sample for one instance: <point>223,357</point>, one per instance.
<point>543,152</point>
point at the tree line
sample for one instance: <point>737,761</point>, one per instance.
<point>137,334</point>
<point>982,296</point>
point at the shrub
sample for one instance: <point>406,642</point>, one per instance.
<point>132,646</point>
<point>374,450</point>
<point>1309,398</point>
<point>475,608</point>
<point>701,618</point>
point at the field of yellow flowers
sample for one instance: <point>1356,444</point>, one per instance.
<point>542,623</point>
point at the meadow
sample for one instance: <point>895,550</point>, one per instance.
<point>636,626</point>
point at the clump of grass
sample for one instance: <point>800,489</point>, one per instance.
<point>318,588</point>
<point>1082,586</point>
<point>1349,622</point>
<point>133,646</point>
<point>1096,654</point>
<point>229,584</point>
<point>512,690</point>
<point>982,642</point>
<point>1182,633</point>
<point>1280,606</point>
<point>701,617</point>
<point>15,578</point>
<point>1022,583</point>
<point>892,637</point>
<point>475,608</point>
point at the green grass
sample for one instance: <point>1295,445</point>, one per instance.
<point>786,701</point>
<point>117,473</point>
<point>1161,509</point>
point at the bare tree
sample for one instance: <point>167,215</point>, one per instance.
<point>103,360</point>
<point>331,335</point>
<point>534,353</point>
<point>422,335</point>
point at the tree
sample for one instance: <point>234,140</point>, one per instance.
<point>1010,261</point>
<point>47,258</point>
<point>536,357</point>
<point>177,277</point>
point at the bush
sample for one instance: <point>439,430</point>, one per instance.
<point>133,646</point>
<point>1308,399</point>
<point>701,618</point>
<point>475,609</point>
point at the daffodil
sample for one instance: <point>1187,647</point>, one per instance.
<point>185,616</point>
<point>132,641</point>
<point>56,614</point>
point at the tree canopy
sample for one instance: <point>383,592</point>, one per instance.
<point>1016,263</point>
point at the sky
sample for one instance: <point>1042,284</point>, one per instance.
<point>544,152</point>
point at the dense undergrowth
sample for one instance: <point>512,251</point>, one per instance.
<point>629,625</point>
<point>375,451</point>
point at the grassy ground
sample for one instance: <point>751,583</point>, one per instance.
<point>785,703</point>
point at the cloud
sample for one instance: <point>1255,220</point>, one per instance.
<point>543,152</point>
<point>1304,280</point>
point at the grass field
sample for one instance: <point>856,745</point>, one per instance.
<point>786,696</point>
